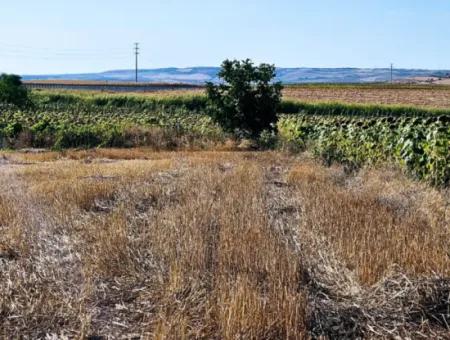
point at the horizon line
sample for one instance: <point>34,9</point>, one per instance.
<point>218,67</point>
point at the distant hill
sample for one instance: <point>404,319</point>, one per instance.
<point>199,75</point>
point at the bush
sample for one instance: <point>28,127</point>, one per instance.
<point>86,136</point>
<point>13,129</point>
<point>268,140</point>
<point>12,91</point>
<point>247,100</point>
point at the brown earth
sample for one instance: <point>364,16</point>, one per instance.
<point>432,97</point>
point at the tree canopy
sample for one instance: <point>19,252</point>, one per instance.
<point>246,99</point>
<point>12,90</point>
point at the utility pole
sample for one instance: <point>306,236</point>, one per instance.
<point>136,52</point>
<point>392,78</point>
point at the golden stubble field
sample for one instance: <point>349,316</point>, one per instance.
<point>254,245</point>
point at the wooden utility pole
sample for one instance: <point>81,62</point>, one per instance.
<point>392,78</point>
<point>136,52</point>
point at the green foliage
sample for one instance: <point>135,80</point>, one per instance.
<point>268,140</point>
<point>357,110</point>
<point>12,129</point>
<point>246,100</point>
<point>12,91</point>
<point>63,120</point>
<point>91,101</point>
<point>416,139</point>
<point>420,145</point>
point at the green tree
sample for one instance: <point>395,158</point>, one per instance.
<point>12,90</point>
<point>246,99</point>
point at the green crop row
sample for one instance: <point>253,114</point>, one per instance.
<point>358,110</point>
<point>88,127</point>
<point>97,102</point>
<point>91,101</point>
<point>419,145</point>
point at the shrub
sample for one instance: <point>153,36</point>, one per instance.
<point>268,140</point>
<point>12,90</point>
<point>13,129</point>
<point>74,137</point>
<point>247,100</point>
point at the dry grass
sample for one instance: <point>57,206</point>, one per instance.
<point>369,219</point>
<point>133,243</point>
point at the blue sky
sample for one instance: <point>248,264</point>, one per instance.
<point>57,36</point>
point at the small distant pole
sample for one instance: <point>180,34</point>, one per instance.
<point>136,52</point>
<point>392,78</point>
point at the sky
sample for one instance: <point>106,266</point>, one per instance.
<point>63,36</point>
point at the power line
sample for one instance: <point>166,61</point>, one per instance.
<point>22,56</point>
<point>26,52</point>
<point>19,51</point>
<point>14,52</point>
<point>21,47</point>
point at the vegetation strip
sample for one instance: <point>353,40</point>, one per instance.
<point>419,145</point>
<point>245,105</point>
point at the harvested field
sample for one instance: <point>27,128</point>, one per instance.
<point>423,96</point>
<point>108,86</point>
<point>113,243</point>
<point>426,96</point>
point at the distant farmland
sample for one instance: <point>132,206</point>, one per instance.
<point>423,95</point>
<point>431,96</point>
<point>107,86</point>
